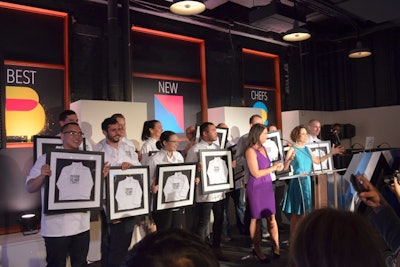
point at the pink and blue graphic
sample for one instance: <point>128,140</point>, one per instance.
<point>168,110</point>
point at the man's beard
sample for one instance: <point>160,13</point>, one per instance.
<point>114,139</point>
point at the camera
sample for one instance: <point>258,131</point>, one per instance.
<point>390,178</point>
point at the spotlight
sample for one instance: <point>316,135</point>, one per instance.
<point>29,224</point>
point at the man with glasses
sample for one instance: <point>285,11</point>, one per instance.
<point>65,234</point>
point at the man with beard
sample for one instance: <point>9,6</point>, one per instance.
<point>116,236</point>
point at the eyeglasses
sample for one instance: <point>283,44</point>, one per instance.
<point>73,133</point>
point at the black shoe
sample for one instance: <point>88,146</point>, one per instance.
<point>264,260</point>
<point>274,255</point>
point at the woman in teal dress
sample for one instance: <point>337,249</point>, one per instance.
<point>298,199</point>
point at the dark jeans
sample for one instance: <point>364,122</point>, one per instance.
<point>75,246</point>
<point>203,210</point>
<point>115,240</point>
<point>238,197</point>
<point>168,219</point>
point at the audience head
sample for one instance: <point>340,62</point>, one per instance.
<point>314,128</point>
<point>208,132</point>
<point>151,128</point>
<point>334,238</point>
<point>258,135</point>
<point>298,132</point>
<point>255,119</point>
<point>171,248</point>
<point>67,116</point>
<point>190,133</point>
<point>169,141</point>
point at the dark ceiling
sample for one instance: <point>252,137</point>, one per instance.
<point>327,20</point>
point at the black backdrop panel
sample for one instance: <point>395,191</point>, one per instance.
<point>175,104</point>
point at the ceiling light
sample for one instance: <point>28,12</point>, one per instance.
<point>359,51</point>
<point>296,34</point>
<point>187,8</point>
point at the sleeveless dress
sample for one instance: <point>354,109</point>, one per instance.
<point>293,202</point>
<point>259,190</point>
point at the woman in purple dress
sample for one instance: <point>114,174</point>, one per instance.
<point>259,191</point>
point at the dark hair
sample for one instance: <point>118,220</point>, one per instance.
<point>63,115</point>
<point>254,135</point>
<point>253,117</point>
<point>171,248</point>
<point>331,238</point>
<point>295,133</point>
<point>65,126</point>
<point>204,127</point>
<point>147,125</point>
<point>165,136</point>
<point>117,116</point>
<point>107,122</point>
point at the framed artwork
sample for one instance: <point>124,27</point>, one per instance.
<point>222,137</point>
<point>127,192</point>
<point>217,174</point>
<point>44,144</point>
<point>320,149</point>
<point>75,183</point>
<point>274,146</point>
<point>176,185</point>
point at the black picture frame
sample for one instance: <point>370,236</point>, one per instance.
<point>75,183</point>
<point>176,185</point>
<point>127,192</point>
<point>222,136</point>
<point>213,160</point>
<point>44,144</point>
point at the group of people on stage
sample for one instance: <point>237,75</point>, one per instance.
<point>67,234</point>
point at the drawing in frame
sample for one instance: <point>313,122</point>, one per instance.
<point>44,144</point>
<point>320,149</point>
<point>217,174</point>
<point>127,192</point>
<point>76,181</point>
<point>274,146</point>
<point>176,185</point>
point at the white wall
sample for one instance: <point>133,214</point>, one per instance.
<point>237,119</point>
<point>91,114</point>
<point>378,122</point>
